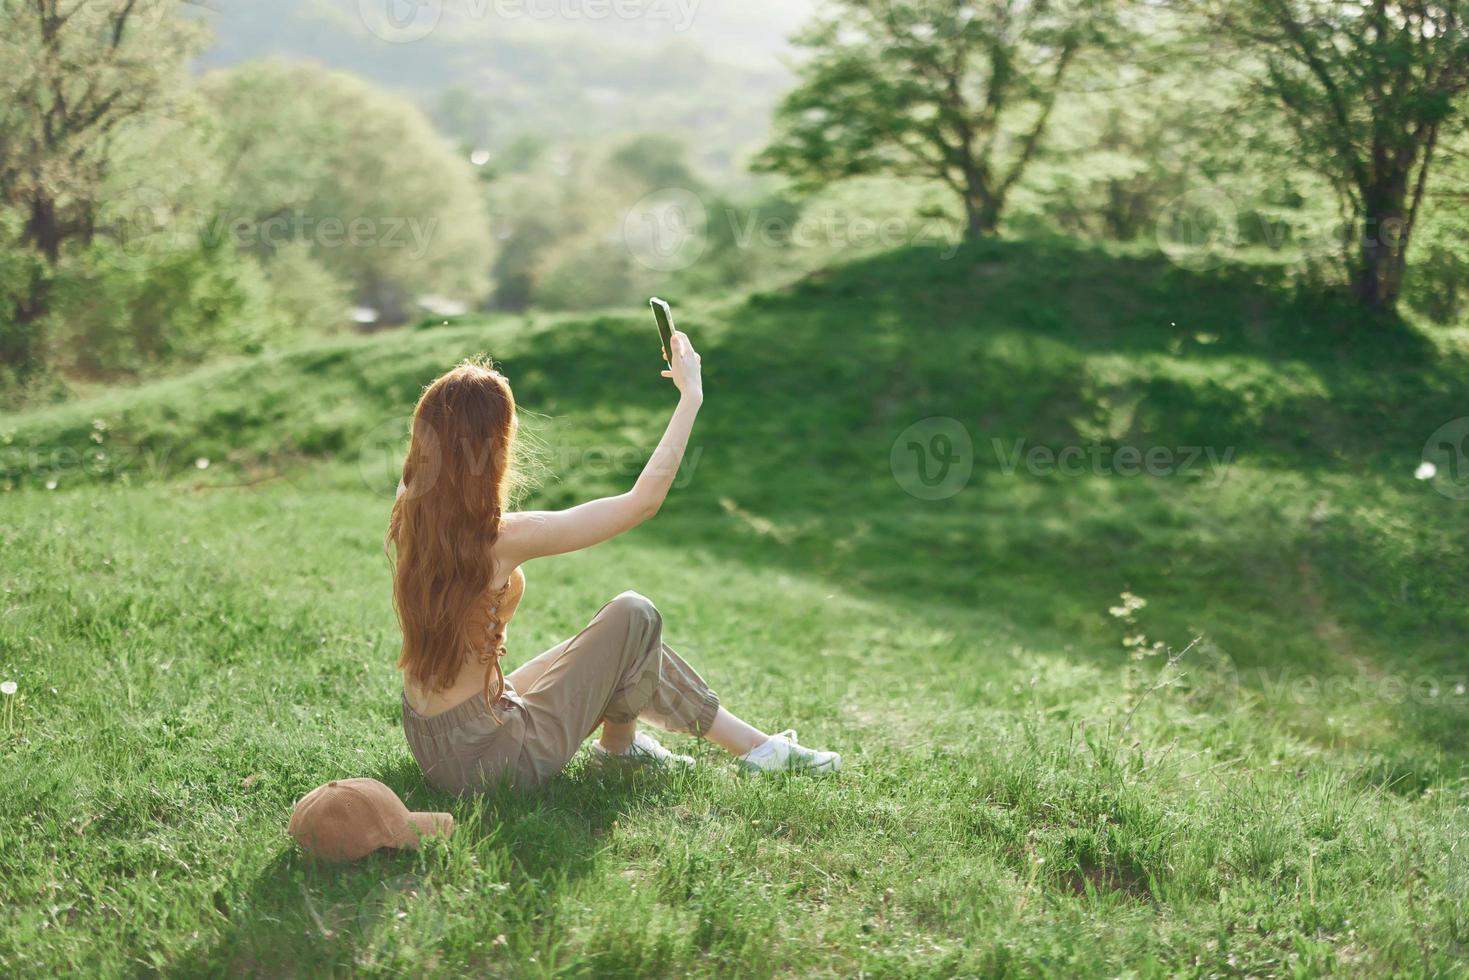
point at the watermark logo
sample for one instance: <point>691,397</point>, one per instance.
<point>1199,229</point>
<point>380,453</point>
<point>400,21</point>
<point>667,230</point>
<point>392,901</point>
<point>148,221</point>
<point>670,229</point>
<point>1204,227</point>
<point>1445,461</point>
<point>1100,459</point>
<point>407,21</point>
<point>933,459</point>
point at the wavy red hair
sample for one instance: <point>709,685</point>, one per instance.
<point>457,477</point>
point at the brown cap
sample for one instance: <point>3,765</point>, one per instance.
<point>350,818</point>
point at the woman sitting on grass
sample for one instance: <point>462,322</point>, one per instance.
<point>457,582</point>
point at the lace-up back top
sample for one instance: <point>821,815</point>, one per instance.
<point>490,620</point>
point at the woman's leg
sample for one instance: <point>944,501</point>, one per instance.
<point>727,731</point>
<point>617,671</point>
<point>733,735</point>
<point>524,677</point>
<point>613,671</point>
<point>617,736</point>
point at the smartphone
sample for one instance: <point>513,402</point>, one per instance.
<point>664,316</point>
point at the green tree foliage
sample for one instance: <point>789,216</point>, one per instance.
<point>1138,154</point>
<point>377,197</point>
<point>153,288</point>
<point>955,91</point>
<point>175,305</point>
<point>610,224</point>
<point>1368,90</point>
<point>1437,284</point>
<point>75,75</point>
<point>539,199</point>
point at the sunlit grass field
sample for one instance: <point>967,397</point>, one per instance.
<point>197,617</point>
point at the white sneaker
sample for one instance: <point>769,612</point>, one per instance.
<point>780,753</point>
<point>644,751</point>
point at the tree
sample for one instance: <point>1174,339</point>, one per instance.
<point>1368,88</point>
<point>359,176</point>
<point>952,90</point>
<point>76,74</point>
<point>1437,283</point>
<point>1144,154</point>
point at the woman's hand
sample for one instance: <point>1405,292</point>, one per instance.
<point>684,367</point>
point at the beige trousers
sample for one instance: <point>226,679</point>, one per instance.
<point>617,668</point>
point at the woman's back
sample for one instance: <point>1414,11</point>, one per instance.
<point>487,625</point>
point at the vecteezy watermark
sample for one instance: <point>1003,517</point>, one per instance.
<point>1420,689</point>
<point>102,459</point>
<point>1280,686</point>
<point>397,233</point>
<point>381,450</point>
<point>670,229</point>
<point>150,222</point>
<point>1445,462</point>
<point>1199,229</point>
<point>406,21</point>
<point>389,903</point>
<point>934,458</point>
<point>1211,670</point>
<point>667,230</point>
<point>1101,459</point>
<point>1204,227</point>
<point>400,21</point>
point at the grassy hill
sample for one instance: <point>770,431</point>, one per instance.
<point>196,647</point>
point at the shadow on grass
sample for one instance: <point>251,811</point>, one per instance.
<point>298,915</point>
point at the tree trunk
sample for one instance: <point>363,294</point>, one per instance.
<point>981,215</point>
<point>20,339</point>
<point>43,229</point>
<point>1382,260</point>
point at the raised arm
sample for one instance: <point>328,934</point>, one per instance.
<point>535,534</point>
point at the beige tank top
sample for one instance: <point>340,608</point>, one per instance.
<point>491,618</point>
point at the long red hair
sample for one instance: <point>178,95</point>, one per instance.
<point>457,477</point>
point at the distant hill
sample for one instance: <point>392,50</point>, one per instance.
<point>708,71</point>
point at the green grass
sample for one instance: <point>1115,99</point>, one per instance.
<point>197,648</point>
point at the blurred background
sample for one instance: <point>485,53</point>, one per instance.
<point>185,180</point>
